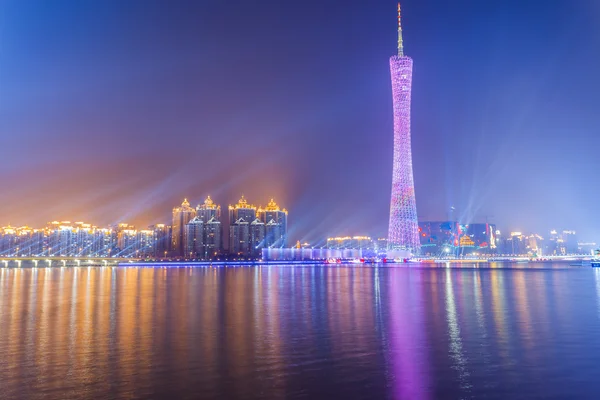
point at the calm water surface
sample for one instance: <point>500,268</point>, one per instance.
<point>300,332</point>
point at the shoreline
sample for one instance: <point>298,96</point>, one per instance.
<point>20,263</point>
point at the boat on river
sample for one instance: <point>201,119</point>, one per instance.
<point>596,260</point>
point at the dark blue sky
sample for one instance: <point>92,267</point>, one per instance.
<point>115,110</point>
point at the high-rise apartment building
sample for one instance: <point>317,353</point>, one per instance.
<point>210,214</point>
<point>257,237</point>
<point>242,210</point>
<point>104,243</point>
<point>135,243</point>
<point>162,239</point>
<point>213,234</point>
<point>274,235</point>
<point>208,210</point>
<point>241,215</point>
<point>239,238</point>
<point>194,238</point>
<point>181,216</point>
<point>275,220</point>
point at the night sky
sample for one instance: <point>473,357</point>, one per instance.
<point>114,110</point>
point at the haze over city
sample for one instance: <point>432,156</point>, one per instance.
<point>115,111</point>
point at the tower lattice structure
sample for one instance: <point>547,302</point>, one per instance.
<point>404,227</point>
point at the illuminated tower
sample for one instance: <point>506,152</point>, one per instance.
<point>403,229</point>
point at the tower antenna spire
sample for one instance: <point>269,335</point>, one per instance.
<point>400,41</point>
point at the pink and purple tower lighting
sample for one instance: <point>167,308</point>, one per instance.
<point>404,228</point>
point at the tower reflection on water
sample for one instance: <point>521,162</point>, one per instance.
<point>281,332</point>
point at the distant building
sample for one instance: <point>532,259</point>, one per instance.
<point>36,242</point>
<point>439,237</point>
<point>273,232</point>
<point>551,246</point>
<point>257,238</point>
<point>570,242</point>
<point>449,238</point>
<point>535,245</point>
<point>517,244</point>
<point>350,242</point>
<point>239,238</point>
<point>210,214</point>
<point>61,239</point>
<point>146,244</point>
<point>83,237</point>
<point>242,210</point>
<point>275,219</point>
<point>125,239</point>
<point>208,210</point>
<point>181,216</point>
<point>587,248</point>
<point>8,242</point>
<point>213,234</point>
<point>241,215</point>
<point>194,238</point>
<point>381,245</point>
<point>104,243</point>
<point>162,238</point>
<point>483,237</point>
<point>306,254</point>
<point>562,243</point>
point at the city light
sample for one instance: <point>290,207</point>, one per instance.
<point>195,233</point>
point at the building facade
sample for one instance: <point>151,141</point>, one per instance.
<point>350,242</point>
<point>239,238</point>
<point>162,238</point>
<point>275,220</point>
<point>213,235</point>
<point>181,216</point>
<point>194,238</point>
<point>257,238</point>
<point>210,214</point>
<point>241,215</point>
<point>439,238</point>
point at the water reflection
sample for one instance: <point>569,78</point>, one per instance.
<point>597,279</point>
<point>299,332</point>
<point>456,347</point>
<point>407,336</point>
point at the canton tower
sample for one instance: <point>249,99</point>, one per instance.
<point>404,228</point>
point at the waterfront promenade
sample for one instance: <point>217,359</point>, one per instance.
<point>56,262</point>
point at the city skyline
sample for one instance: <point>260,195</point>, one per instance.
<point>192,233</point>
<point>498,139</point>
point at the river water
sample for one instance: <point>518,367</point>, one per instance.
<point>348,332</point>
